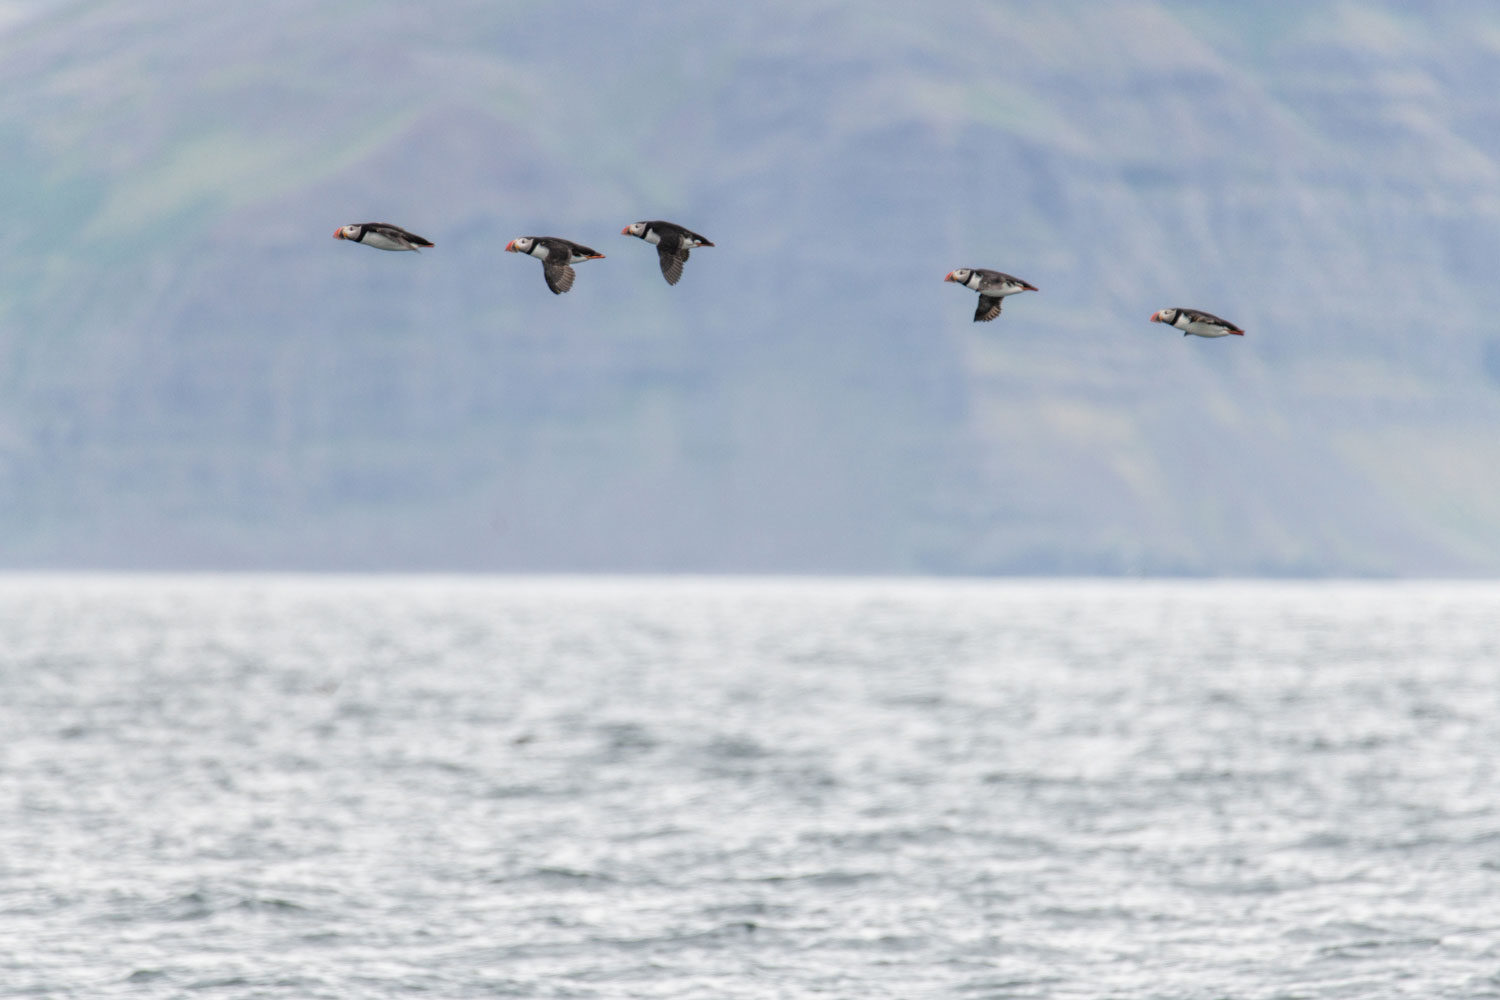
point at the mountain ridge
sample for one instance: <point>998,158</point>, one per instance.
<point>195,375</point>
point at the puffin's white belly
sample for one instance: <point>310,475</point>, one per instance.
<point>382,242</point>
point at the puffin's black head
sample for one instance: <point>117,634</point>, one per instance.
<point>635,229</point>
<point>961,275</point>
<point>1167,316</point>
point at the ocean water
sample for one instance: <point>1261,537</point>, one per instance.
<point>441,787</point>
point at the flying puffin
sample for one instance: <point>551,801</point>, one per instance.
<point>1196,322</point>
<point>381,236</point>
<point>556,256</point>
<point>992,287</point>
<point>672,242</point>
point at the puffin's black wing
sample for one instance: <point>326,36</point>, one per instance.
<point>397,233</point>
<point>989,308</point>
<point>559,276</point>
<point>672,261</point>
<point>1199,316</point>
<point>555,268</point>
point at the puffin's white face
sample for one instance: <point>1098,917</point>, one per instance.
<point>634,229</point>
<point>346,233</point>
<point>960,276</point>
<point>1164,316</point>
<point>521,244</point>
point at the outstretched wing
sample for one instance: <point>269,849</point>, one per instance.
<point>1199,316</point>
<point>398,235</point>
<point>672,261</point>
<point>555,268</point>
<point>988,309</point>
<point>559,275</point>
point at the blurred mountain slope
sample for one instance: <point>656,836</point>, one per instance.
<point>192,373</point>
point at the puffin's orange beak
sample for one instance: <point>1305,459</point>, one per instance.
<point>1156,316</point>
<point>511,247</point>
<point>625,231</point>
<point>338,233</point>
<point>949,277</point>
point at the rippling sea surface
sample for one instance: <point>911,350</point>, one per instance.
<point>445,787</point>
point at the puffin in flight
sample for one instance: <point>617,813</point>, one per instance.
<point>381,236</point>
<point>557,256</point>
<point>673,244</point>
<point>992,287</point>
<point>1196,322</point>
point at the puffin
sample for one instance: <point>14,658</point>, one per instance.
<point>1196,322</point>
<point>992,287</point>
<point>381,236</point>
<point>556,255</point>
<point>673,244</point>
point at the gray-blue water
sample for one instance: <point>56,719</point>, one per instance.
<point>406,787</point>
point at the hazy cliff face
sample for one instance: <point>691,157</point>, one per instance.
<point>194,373</point>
